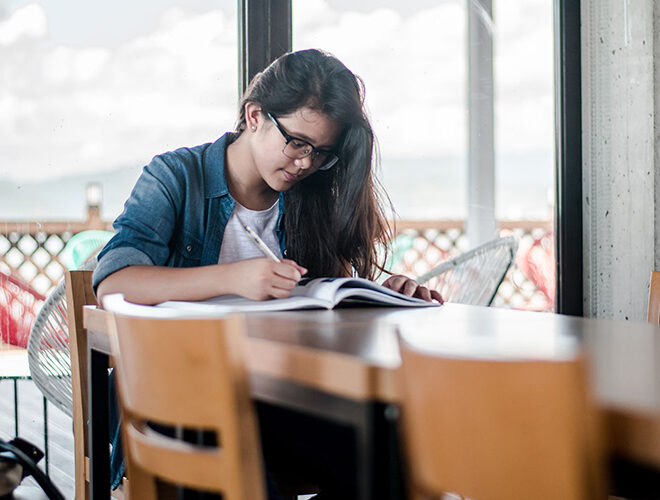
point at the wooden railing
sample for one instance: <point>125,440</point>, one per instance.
<point>32,250</point>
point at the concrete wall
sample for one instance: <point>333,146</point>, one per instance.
<point>620,54</point>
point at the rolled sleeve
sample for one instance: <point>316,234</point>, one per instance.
<point>144,230</point>
<point>116,259</point>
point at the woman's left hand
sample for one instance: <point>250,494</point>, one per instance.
<point>408,286</point>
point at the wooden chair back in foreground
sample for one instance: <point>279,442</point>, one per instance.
<point>654,298</point>
<point>79,293</point>
<point>190,374</point>
<point>498,429</point>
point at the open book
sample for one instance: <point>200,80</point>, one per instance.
<point>319,293</point>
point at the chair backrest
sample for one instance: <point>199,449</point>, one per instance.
<point>498,429</point>
<point>19,304</point>
<point>474,276</point>
<point>79,293</point>
<point>654,298</point>
<point>49,353</point>
<point>188,373</point>
<point>82,246</point>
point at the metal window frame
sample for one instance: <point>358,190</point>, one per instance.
<point>264,34</point>
<point>568,160</point>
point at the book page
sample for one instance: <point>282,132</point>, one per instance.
<point>241,304</point>
<point>336,290</point>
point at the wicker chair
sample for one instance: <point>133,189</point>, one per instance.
<point>474,276</point>
<point>49,353</point>
<point>19,304</point>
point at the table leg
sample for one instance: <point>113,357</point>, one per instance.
<point>99,434</point>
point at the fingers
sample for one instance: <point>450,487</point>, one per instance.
<point>408,286</point>
<point>292,264</point>
<point>302,270</point>
<point>401,284</point>
<point>395,282</point>
<point>423,293</point>
<point>435,295</point>
<point>286,275</point>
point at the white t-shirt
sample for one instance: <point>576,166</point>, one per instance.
<point>237,245</point>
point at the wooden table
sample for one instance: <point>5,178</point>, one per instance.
<point>342,365</point>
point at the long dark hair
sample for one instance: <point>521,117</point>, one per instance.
<point>334,219</point>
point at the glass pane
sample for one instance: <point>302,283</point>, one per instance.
<point>524,109</point>
<point>413,57</point>
<point>525,143</point>
<point>90,93</point>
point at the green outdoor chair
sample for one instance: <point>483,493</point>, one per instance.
<point>82,246</point>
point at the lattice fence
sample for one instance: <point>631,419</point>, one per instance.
<point>34,257</point>
<point>529,284</point>
<point>33,253</point>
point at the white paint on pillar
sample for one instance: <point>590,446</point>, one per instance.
<point>619,206</point>
<point>481,225</point>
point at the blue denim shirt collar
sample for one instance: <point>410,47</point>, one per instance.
<point>221,202</point>
<point>214,162</point>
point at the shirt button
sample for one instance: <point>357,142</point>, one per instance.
<point>189,248</point>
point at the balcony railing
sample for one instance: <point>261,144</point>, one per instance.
<point>32,250</point>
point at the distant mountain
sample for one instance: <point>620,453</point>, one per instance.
<point>420,188</point>
<point>64,198</point>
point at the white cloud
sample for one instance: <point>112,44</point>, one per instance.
<point>29,21</point>
<point>67,109</point>
<point>415,70</point>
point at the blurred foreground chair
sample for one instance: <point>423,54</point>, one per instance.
<point>79,293</point>
<point>499,429</point>
<point>654,298</point>
<point>474,276</point>
<point>57,354</point>
<point>188,373</point>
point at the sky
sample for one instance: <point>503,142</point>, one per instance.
<point>88,86</point>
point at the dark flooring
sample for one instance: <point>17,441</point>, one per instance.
<point>31,428</point>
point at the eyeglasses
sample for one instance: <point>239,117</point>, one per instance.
<point>295,148</point>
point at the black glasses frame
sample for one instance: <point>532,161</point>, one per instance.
<point>330,161</point>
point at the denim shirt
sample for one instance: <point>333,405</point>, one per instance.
<point>176,214</point>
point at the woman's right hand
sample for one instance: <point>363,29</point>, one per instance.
<point>263,278</point>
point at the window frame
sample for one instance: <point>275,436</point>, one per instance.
<point>265,33</point>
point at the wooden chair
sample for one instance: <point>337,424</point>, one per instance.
<point>79,293</point>
<point>188,373</point>
<point>654,298</point>
<point>498,429</point>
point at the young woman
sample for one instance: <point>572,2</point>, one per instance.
<point>298,170</point>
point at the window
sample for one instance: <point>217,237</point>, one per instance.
<point>91,92</point>
<point>421,73</point>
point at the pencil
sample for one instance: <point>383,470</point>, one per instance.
<point>258,241</point>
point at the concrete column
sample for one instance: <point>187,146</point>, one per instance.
<point>656,123</point>
<point>620,206</point>
<point>481,225</point>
